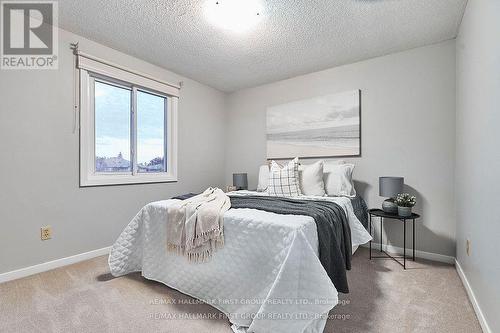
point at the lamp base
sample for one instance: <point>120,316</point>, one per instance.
<point>389,206</point>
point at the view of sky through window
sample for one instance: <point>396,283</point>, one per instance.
<point>150,132</point>
<point>112,128</point>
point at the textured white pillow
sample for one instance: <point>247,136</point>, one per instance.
<point>311,179</point>
<point>263,178</point>
<point>284,182</point>
<point>333,162</point>
<point>338,180</point>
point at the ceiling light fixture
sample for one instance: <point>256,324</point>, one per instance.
<point>234,15</point>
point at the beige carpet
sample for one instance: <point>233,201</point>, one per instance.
<point>428,297</point>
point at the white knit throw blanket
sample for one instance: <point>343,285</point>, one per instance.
<point>195,226</point>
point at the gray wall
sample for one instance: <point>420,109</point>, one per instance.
<point>408,95</point>
<point>39,161</point>
<point>478,153</point>
<point>408,129</point>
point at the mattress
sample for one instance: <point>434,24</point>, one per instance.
<point>267,278</point>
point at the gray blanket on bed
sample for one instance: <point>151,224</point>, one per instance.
<point>334,233</point>
<point>360,210</point>
<point>358,204</point>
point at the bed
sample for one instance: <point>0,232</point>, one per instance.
<point>266,278</point>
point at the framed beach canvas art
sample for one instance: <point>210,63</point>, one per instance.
<point>325,126</point>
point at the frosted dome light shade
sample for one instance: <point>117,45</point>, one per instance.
<point>234,15</point>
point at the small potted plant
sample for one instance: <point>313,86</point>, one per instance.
<point>405,202</point>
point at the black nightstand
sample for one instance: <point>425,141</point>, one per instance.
<point>405,219</point>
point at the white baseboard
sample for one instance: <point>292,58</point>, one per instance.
<point>418,254</point>
<point>47,266</point>
<point>472,298</point>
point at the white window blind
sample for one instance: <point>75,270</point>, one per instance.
<point>103,67</point>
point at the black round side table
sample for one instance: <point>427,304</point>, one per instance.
<point>405,219</point>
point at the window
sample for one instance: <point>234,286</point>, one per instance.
<point>128,126</point>
<point>151,111</point>
<point>112,105</point>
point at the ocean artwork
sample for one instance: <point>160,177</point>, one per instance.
<point>325,126</point>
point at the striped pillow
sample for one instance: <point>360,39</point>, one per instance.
<point>284,182</point>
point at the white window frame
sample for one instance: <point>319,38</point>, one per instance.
<point>91,70</point>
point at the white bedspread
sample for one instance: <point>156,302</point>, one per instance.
<point>267,278</point>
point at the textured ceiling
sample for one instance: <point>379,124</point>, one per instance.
<point>293,37</point>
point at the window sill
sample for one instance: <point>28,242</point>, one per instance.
<point>104,180</point>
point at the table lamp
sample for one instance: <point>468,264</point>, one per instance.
<point>390,187</point>
<point>240,181</point>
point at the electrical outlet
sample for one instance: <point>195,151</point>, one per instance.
<point>46,232</point>
<point>467,247</point>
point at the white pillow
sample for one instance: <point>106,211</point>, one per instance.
<point>311,179</point>
<point>338,180</point>
<point>284,182</point>
<point>263,178</point>
<point>333,162</point>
